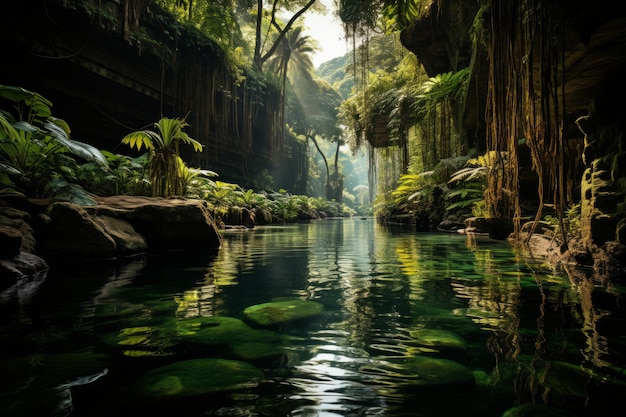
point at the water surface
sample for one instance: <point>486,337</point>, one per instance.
<point>412,325</point>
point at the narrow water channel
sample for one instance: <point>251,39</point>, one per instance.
<point>409,325</point>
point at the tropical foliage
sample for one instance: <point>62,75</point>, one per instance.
<point>470,183</point>
<point>36,152</point>
<point>166,170</point>
<point>37,159</point>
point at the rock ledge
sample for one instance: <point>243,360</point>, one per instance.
<point>116,227</point>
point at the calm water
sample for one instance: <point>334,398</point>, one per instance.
<point>412,325</point>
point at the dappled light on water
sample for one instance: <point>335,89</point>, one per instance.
<point>341,317</point>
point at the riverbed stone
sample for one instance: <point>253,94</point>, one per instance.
<point>222,330</point>
<point>195,377</point>
<point>251,351</point>
<point>535,410</point>
<point>439,339</point>
<point>280,312</point>
<point>435,374</point>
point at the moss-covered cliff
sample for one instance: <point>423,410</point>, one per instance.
<point>113,67</point>
<point>545,86</point>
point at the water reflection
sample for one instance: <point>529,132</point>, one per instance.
<point>413,324</point>
<point>382,288</point>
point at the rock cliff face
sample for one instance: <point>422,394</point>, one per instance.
<point>591,79</point>
<point>34,233</point>
<point>106,86</point>
<point>594,50</point>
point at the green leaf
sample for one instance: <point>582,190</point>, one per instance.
<point>9,169</point>
<point>40,107</point>
<point>81,149</point>
<point>142,138</point>
<point>463,204</point>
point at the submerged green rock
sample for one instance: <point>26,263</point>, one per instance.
<point>232,334</point>
<point>250,351</point>
<point>439,339</point>
<point>197,377</point>
<point>433,372</point>
<point>215,330</point>
<point>425,375</point>
<point>535,410</point>
<point>280,312</point>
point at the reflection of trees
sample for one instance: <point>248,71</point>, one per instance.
<point>340,269</point>
<point>408,254</point>
<point>509,294</point>
<point>239,254</point>
<point>201,300</point>
<point>494,306</point>
<point>596,345</point>
<point>494,303</point>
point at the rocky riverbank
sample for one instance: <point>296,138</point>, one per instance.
<point>36,232</point>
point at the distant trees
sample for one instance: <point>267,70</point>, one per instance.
<point>267,38</point>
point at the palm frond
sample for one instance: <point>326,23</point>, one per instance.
<point>142,138</point>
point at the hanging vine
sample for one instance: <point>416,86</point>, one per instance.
<point>132,11</point>
<point>502,113</point>
<point>525,104</point>
<point>541,38</point>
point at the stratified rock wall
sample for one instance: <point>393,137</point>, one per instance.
<point>106,85</point>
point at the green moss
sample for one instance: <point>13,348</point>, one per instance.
<point>433,372</point>
<point>257,350</point>
<point>216,331</point>
<point>439,339</point>
<point>197,377</point>
<point>280,312</point>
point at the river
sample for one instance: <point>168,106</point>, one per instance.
<point>426,324</point>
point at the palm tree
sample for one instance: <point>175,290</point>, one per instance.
<point>292,61</point>
<point>295,49</point>
<point>165,167</point>
<point>293,64</point>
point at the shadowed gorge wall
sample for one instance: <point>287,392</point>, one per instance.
<point>543,81</point>
<point>107,79</point>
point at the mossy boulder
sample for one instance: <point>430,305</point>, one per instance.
<point>280,312</point>
<point>251,351</point>
<point>535,410</point>
<point>222,330</point>
<point>219,333</point>
<point>432,376</point>
<point>440,372</point>
<point>426,376</point>
<point>197,377</point>
<point>439,339</point>
<point>144,341</point>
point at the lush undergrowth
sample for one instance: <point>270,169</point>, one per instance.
<point>38,159</point>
